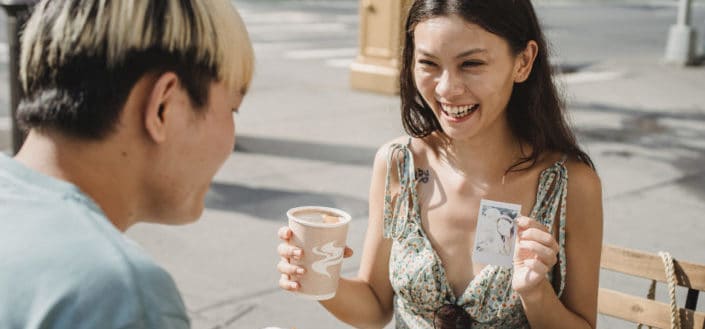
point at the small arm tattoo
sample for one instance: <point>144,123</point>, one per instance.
<point>423,175</point>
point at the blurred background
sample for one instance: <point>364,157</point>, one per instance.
<point>305,137</point>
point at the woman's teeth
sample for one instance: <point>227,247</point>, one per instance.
<point>459,111</point>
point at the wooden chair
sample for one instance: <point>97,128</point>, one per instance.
<point>644,310</point>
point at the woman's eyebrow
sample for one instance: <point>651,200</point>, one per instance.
<point>471,52</point>
<point>425,52</point>
<point>461,55</point>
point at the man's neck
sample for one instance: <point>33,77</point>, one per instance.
<point>96,168</point>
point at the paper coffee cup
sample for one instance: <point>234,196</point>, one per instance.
<point>321,233</point>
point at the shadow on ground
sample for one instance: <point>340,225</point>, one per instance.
<point>647,129</point>
<point>341,154</point>
<point>272,204</point>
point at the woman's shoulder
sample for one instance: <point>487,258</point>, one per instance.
<point>417,146</point>
<point>582,177</point>
<point>384,151</point>
<point>401,140</point>
<point>578,170</point>
<point>394,151</point>
<point>584,183</point>
<point>582,174</point>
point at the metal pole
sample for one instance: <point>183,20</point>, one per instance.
<point>17,14</point>
<point>684,12</point>
<point>680,49</point>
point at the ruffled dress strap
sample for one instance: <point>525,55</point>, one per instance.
<point>551,202</point>
<point>398,220</point>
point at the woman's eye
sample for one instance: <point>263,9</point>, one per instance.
<point>426,62</point>
<point>472,63</point>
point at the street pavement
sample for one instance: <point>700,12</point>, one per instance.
<point>304,137</point>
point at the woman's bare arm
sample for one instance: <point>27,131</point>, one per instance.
<point>365,301</point>
<point>577,307</point>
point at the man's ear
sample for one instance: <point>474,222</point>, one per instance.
<point>161,99</point>
<point>525,61</point>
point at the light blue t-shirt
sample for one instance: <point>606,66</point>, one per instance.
<point>63,265</point>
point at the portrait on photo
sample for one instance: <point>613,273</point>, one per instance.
<point>496,233</point>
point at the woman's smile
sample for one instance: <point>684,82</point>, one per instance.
<point>458,113</point>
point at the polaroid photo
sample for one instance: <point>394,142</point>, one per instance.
<point>496,233</point>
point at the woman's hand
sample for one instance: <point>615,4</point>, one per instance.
<point>534,256</point>
<point>290,273</point>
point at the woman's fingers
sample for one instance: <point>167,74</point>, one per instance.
<point>536,266</point>
<point>531,249</point>
<point>524,223</point>
<point>535,255</point>
<point>284,233</point>
<point>530,229</point>
<point>539,236</point>
<point>287,284</point>
<point>289,269</point>
<point>535,242</point>
<point>288,251</point>
<point>289,273</point>
<point>529,274</point>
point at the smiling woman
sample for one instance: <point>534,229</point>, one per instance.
<point>466,84</point>
<point>534,103</point>
<point>485,122</point>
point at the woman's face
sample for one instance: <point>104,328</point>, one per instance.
<point>504,227</point>
<point>464,73</point>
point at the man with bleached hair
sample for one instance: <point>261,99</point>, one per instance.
<point>128,105</point>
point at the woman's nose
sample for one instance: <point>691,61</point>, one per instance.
<point>450,84</point>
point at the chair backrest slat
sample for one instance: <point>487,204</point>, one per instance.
<point>650,266</point>
<point>642,310</point>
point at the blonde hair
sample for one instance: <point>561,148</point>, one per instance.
<point>81,58</point>
<point>210,31</point>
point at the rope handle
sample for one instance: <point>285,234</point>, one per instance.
<point>671,279</point>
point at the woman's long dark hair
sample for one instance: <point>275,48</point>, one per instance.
<point>535,111</point>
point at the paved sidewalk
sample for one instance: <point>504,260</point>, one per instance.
<point>305,138</point>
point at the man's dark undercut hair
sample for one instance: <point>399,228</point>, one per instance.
<point>84,98</point>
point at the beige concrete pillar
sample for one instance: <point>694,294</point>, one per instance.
<point>377,65</point>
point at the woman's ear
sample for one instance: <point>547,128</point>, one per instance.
<point>160,101</point>
<point>525,61</point>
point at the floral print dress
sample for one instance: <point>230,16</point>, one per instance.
<point>417,274</point>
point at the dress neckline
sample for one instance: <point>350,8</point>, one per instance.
<point>445,283</point>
